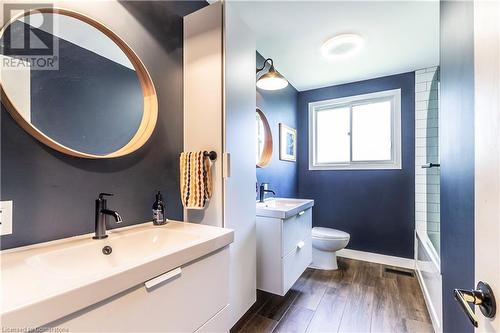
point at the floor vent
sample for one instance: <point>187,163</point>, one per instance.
<point>399,271</point>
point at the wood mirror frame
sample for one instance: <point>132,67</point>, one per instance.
<point>267,151</point>
<point>150,104</point>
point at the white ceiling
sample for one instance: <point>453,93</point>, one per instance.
<point>400,36</point>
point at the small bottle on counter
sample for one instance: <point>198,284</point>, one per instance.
<point>159,210</point>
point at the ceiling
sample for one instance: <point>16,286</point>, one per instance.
<point>400,36</point>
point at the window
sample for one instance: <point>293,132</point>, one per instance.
<point>356,132</point>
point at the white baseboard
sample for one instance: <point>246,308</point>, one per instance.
<point>377,258</point>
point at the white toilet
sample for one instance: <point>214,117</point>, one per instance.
<point>325,244</point>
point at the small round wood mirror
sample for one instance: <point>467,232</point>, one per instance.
<point>264,140</point>
<point>75,85</point>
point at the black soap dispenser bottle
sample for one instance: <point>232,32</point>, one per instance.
<point>159,210</point>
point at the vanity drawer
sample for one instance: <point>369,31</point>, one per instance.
<point>176,303</point>
<point>295,263</point>
<point>296,229</point>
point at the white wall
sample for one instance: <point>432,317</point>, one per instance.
<point>487,151</point>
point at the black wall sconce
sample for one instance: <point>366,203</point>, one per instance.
<point>272,80</point>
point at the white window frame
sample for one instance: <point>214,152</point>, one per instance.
<point>395,161</point>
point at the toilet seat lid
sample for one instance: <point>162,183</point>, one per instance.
<point>329,233</point>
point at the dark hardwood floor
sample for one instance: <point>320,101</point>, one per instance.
<point>359,297</point>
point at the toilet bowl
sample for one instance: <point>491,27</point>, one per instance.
<point>325,244</point>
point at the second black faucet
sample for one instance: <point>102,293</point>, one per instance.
<point>263,189</point>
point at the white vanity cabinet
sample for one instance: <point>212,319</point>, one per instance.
<point>284,250</point>
<point>189,298</point>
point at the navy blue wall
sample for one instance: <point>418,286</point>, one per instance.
<point>279,106</point>
<point>457,157</point>
<point>375,206</point>
<point>54,193</point>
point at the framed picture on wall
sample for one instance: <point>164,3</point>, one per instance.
<point>288,143</point>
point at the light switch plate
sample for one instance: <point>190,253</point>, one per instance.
<point>6,217</point>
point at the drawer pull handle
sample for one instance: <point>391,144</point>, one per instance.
<point>162,278</point>
<point>302,212</point>
<point>300,244</point>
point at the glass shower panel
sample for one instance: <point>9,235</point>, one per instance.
<point>432,166</point>
<point>427,205</point>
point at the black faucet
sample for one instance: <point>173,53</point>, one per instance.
<point>101,213</point>
<point>262,191</point>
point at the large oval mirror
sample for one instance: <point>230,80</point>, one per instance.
<point>75,85</point>
<point>264,140</point>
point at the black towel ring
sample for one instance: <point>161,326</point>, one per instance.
<point>211,155</point>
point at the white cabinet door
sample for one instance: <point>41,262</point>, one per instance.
<point>239,143</point>
<point>219,111</point>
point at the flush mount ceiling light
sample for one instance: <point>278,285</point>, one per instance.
<point>272,80</point>
<point>342,46</point>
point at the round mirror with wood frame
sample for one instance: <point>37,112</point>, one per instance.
<point>264,140</point>
<point>86,110</point>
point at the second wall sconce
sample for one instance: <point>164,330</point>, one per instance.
<point>272,80</point>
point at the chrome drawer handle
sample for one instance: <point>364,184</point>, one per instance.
<point>302,212</point>
<point>300,244</point>
<point>162,278</point>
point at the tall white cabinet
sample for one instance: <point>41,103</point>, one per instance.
<point>219,115</point>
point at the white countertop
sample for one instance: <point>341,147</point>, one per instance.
<point>47,281</point>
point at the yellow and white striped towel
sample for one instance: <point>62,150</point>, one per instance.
<point>196,179</point>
